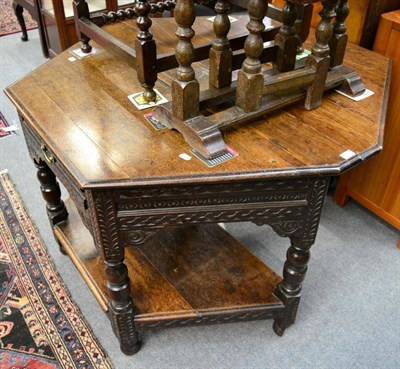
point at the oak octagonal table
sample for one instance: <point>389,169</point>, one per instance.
<point>142,224</point>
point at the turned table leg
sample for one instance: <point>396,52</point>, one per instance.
<point>221,52</point>
<point>320,55</point>
<point>298,255</point>
<point>18,9</point>
<point>185,88</point>
<point>287,39</point>
<point>55,207</point>
<point>250,80</point>
<point>146,52</point>
<point>81,9</point>
<point>338,41</point>
<point>121,310</point>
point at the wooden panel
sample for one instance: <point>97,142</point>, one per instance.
<point>376,183</point>
<point>164,270</point>
<point>224,272</point>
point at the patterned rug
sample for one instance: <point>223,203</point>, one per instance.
<point>8,21</point>
<point>3,124</point>
<point>40,325</point>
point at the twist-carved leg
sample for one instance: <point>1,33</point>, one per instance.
<point>146,53</point>
<point>81,10</point>
<point>55,207</point>
<point>185,88</point>
<point>320,59</point>
<point>221,52</point>
<point>250,79</point>
<point>287,40</point>
<point>105,235</point>
<point>18,9</point>
<point>298,255</point>
<point>338,41</point>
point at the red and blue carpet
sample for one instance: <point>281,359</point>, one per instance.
<point>40,325</point>
<point>8,21</point>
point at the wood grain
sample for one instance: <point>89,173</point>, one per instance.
<point>133,152</point>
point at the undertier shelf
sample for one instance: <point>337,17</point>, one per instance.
<point>181,276</point>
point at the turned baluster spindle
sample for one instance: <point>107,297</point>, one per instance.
<point>81,10</point>
<point>221,52</point>
<point>185,87</point>
<point>320,58</point>
<point>250,79</point>
<point>338,41</point>
<point>287,40</point>
<point>146,52</point>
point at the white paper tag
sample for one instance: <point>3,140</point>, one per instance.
<point>231,19</point>
<point>348,154</point>
<point>71,59</point>
<point>12,128</point>
<point>304,54</point>
<point>138,100</point>
<point>185,156</point>
<point>364,95</point>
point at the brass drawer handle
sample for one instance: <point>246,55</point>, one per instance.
<point>50,159</point>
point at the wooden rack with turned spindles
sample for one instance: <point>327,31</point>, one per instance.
<point>256,91</point>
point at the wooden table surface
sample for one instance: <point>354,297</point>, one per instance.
<point>101,137</point>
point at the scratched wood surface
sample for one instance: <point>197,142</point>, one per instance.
<point>86,119</point>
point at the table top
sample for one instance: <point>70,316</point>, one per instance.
<point>82,112</point>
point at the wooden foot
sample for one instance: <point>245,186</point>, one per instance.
<point>200,134</point>
<point>121,308</point>
<point>352,85</point>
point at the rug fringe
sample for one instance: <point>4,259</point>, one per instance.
<point>4,171</point>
